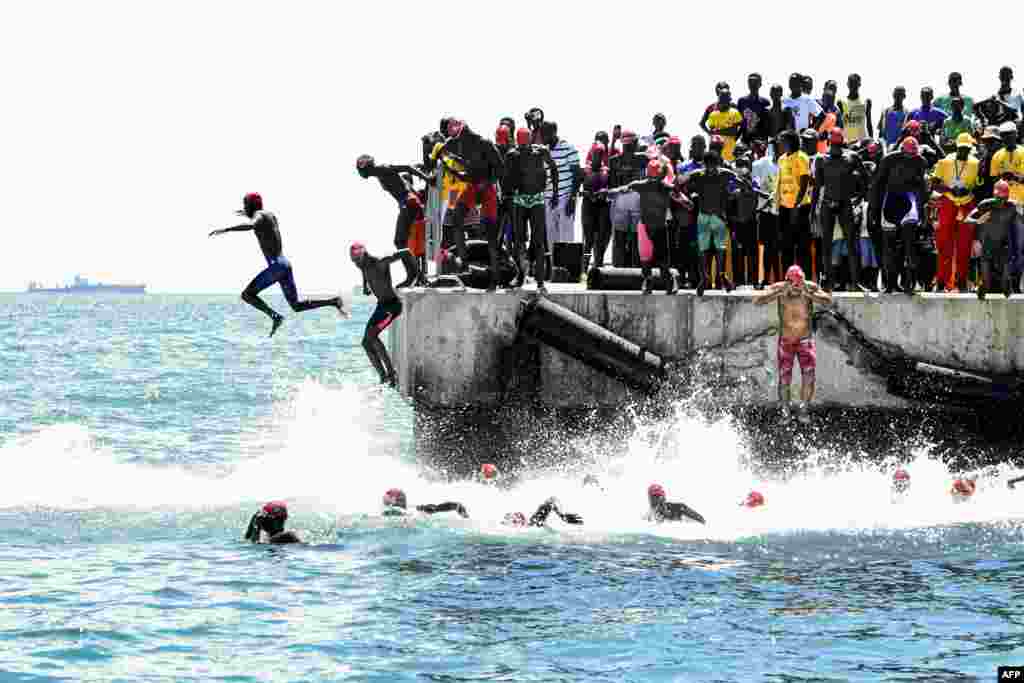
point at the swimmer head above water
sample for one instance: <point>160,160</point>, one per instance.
<point>271,520</point>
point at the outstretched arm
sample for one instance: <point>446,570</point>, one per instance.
<point>546,508</point>
<point>444,507</point>
<point>241,227</point>
<point>413,170</point>
<point>394,257</point>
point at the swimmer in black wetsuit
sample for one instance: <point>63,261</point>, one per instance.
<point>390,178</point>
<point>396,504</point>
<point>661,510</point>
<point>540,517</point>
<point>270,520</point>
<point>528,168</point>
<point>279,269</point>
<point>377,279</point>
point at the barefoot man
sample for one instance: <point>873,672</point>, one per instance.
<point>796,299</point>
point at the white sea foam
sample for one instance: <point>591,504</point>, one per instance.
<point>336,457</point>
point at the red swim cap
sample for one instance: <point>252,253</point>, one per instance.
<point>627,133</point>
<point>914,126</point>
<point>488,471</point>
<point>837,137</point>
<point>654,168</point>
<point>655,491</point>
<point>1001,190</point>
<point>275,509</point>
<point>795,274</point>
<point>253,201</point>
<point>356,250</point>
<point>901,475</point>
<point>674,141</point>
<point>514,519</point>
<point>501,136</point>
<point>754,499</point>
<point>963,488</point>
<point>394,497</point>
<point>523,136</point>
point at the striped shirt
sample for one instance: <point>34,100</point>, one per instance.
<point>567,160</point>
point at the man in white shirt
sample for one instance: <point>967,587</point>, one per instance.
<point>804,107</point>
<point>766,171</point>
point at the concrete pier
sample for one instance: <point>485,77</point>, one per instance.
<point>451,351</point>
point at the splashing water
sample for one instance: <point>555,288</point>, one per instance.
<point>318,467</point>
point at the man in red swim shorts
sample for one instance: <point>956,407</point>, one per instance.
<point>796,298</point>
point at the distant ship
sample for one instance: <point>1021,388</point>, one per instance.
<point>82,286</point>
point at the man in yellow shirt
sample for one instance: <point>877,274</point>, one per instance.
<point>1008,163</point>
<point>721,118</point>
<point>794,181</point>
<point>956,177</point>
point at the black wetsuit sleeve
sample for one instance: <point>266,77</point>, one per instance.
<point>540,517</point>
<point>680,511</point>
<point>285,537</point>
<point>388,260</point>
<point>431,509</point>
<point>411,169</point>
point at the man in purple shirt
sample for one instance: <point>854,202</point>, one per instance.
<point>927,113</point>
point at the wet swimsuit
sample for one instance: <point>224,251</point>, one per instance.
<point>789,349</point>
<point>279,268</point>
<point>385,314</point>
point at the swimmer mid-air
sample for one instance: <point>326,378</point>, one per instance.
<point>279,268</point>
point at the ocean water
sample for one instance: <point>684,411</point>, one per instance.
<point>137,436</point>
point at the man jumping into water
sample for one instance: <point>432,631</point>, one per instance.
<point>377,279</point>
<point>390,178</point>
<point>796,299</point>
<point>279,268</point>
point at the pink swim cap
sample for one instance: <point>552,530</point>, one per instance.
<point>275,509</point>
<point>795,274</point>
<point>357,250</point>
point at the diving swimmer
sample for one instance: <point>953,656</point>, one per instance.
<point>662,510</point>
<point>390,178</point>
<point>279,268</point>
<point>377,279</point>
<point>796,299</point>
<point>270,520</point>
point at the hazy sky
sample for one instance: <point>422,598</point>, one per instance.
<point>131,129</point>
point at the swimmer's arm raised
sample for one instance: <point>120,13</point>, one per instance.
<point>770,294</point>
<point>817,294</point>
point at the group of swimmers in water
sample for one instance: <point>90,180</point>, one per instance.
<point>268,525</point>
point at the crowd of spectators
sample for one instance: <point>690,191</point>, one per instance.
<point>918,199</point>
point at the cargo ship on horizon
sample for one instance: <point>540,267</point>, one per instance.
<point>82,285</point>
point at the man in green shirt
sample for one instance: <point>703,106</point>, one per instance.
<point>945,103</point>
<point>956,124</point>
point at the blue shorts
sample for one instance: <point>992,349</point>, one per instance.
<point>279,271</point>
<point>383,316</point>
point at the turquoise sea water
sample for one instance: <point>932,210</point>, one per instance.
<point>138,434</point>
